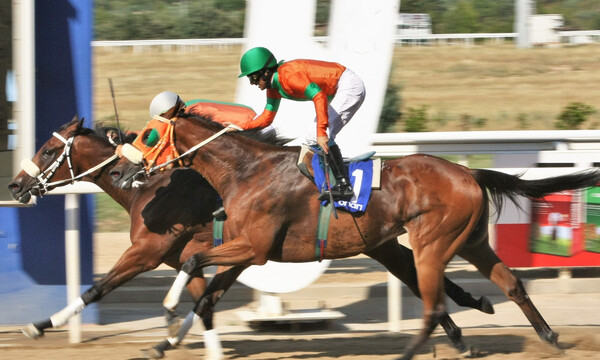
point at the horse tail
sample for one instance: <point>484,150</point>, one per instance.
<point>500,184</point>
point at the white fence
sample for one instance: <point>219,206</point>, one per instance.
<point>542,153</point>
<point>465,39</point>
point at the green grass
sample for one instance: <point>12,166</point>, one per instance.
<point>110,216</point>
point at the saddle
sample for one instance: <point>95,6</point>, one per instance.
<point>364,165</point>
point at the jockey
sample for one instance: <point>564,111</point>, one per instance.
<point>167,104</point>
<point>335,90</point>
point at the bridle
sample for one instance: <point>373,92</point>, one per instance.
<point>43,178</point>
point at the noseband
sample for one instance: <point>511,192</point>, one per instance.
<point>42,178</point>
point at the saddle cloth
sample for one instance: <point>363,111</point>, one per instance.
<point>361,179</point>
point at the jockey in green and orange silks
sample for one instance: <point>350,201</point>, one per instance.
<point>336,91</point>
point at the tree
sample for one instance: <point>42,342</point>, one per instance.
<point>390,112</point>
<point>573,116</point>
<point>462,18</point>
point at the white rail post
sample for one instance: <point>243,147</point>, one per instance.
<point>72,260</point>
<point>394,303</point>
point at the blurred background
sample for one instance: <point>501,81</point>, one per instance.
<point>456,66</point>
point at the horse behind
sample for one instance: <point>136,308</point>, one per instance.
<point>443,206</point>
<point>159,233</point>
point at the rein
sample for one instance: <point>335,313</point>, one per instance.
<point>43,178</point>
<point>194,148</point>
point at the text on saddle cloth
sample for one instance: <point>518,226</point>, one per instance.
<point>361,179</point>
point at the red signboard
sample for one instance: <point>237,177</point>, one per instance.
<point>564,231</point>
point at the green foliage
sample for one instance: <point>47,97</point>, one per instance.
<point>416,119</point>
<point>167,19</point>
<point>522,121</point>
<point>390,111</point>
<point>498,15</point>
<point>573,116</point>
<point>462,18</point>
<point>579,14</point>
<point>467,122</point>
<point>178,19</point>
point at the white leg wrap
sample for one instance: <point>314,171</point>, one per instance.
<point>172,299</point>
<point>61,317</point>
<point>190,320</point>
<point>212,345</point>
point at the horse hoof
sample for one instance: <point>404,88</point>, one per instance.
<point>32,332</point>
<point>486,305</point>
<point>472,352</point>
<point>152,353</point>
<point>552,338</point>
<point>157,351</point>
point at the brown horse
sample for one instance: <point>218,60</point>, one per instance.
<point>171,218</point>
<point>157,235</point>
<point>274,211</point>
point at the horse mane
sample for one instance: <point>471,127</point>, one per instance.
<point>269,136</point>
<point>101,130</point>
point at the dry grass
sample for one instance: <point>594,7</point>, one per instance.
<point>498,83</point>
<point>494,82</point>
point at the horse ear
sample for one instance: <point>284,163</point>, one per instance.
<point>80,124</point>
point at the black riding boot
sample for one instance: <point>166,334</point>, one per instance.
<point>342,190</point>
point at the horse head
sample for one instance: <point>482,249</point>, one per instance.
<point>62,159</point>
<point>125,173</point>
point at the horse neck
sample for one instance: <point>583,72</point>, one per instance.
<point>103,180</point>
<point>224,161</point>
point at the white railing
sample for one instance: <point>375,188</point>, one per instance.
<point>540,153</point>
<point>485,142</point>
<point>183,44</point>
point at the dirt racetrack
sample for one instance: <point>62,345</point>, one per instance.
<point>491,343</point>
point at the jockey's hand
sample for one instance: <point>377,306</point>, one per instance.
<point>119,151</point>
<point>322,141</point>
<point>232,126</point>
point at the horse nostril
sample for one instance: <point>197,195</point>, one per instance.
<point>13,187</point>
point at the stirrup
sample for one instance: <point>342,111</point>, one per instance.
<point>344,194</point>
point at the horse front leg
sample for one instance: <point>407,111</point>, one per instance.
<point>203,310</point>
<point>131,263</point>
<point>235,252</point>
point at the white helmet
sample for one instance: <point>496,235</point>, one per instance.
<point>164,102</point>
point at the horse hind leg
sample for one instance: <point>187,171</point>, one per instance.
<point>486,261</point>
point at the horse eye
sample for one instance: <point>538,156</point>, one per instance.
<point>48,153</point>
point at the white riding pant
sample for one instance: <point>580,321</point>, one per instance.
<point>348,98</point>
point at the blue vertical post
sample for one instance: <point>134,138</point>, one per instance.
<point>63,88</point>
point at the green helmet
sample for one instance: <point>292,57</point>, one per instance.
<point>256,59</point>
